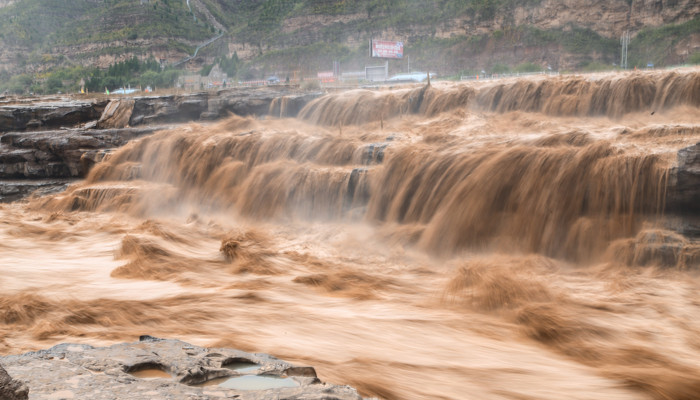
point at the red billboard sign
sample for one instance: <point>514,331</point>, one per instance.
<point>387,49</point>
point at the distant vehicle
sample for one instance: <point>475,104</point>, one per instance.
<point>273,80</point>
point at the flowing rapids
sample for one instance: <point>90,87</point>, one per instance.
<point>495,240</point>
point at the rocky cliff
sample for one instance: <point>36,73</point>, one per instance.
<point>607,18</point>
<point>275,35</point>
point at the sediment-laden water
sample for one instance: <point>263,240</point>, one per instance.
<point>496,240</point>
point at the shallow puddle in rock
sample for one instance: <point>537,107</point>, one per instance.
<point>242,366</point>
<point>252,382</point>
<point>151,374</point>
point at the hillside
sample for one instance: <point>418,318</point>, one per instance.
<point>450,36</point>
<point>279,36</point>
<point>36,33</point>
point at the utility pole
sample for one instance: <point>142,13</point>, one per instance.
<point>624,41</point>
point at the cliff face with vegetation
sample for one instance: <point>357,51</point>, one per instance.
<point>450,36</point>
<point>38,34</point>
<point>280,36</point>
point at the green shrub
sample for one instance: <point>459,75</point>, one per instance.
<point>19,84</point>
<point>206,70</point>
<point>53,84</point>
<point>657,45</point>
<point>527,67</point>
<point>694,58</point>
<point>500,69</point>
<point>595,66</point>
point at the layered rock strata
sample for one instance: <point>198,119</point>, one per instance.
<point>67,153</point>
<point>59,138</point>
<point>41,114</point>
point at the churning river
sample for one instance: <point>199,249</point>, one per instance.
<point>516,239</point>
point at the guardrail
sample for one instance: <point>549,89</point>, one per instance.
<point>509,75</point>
<point>254,83</point>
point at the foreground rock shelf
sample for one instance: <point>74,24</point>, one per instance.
<point>161,369</point>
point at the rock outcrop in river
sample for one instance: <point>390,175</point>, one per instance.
<point>160,369</point>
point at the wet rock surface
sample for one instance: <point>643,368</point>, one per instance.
<point>172,108</point>
<point>210,106</point>
<point>163,369</point>
<point>11,389</point>
<point>16,189</point>
<point>60,153</point>
<point>52,114</point>
<point>116,114</point>
<point>684,182</point>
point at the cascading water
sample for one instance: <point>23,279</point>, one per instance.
<point>491,240</point>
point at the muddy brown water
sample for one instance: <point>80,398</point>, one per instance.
<point>151,374</point>
<point>252,382</point>
<point>470,246</point>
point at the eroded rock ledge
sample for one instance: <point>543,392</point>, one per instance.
<point>67,153</point>
<point>163,369</point>
<point>52,113</point>
<point>43,140</point>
